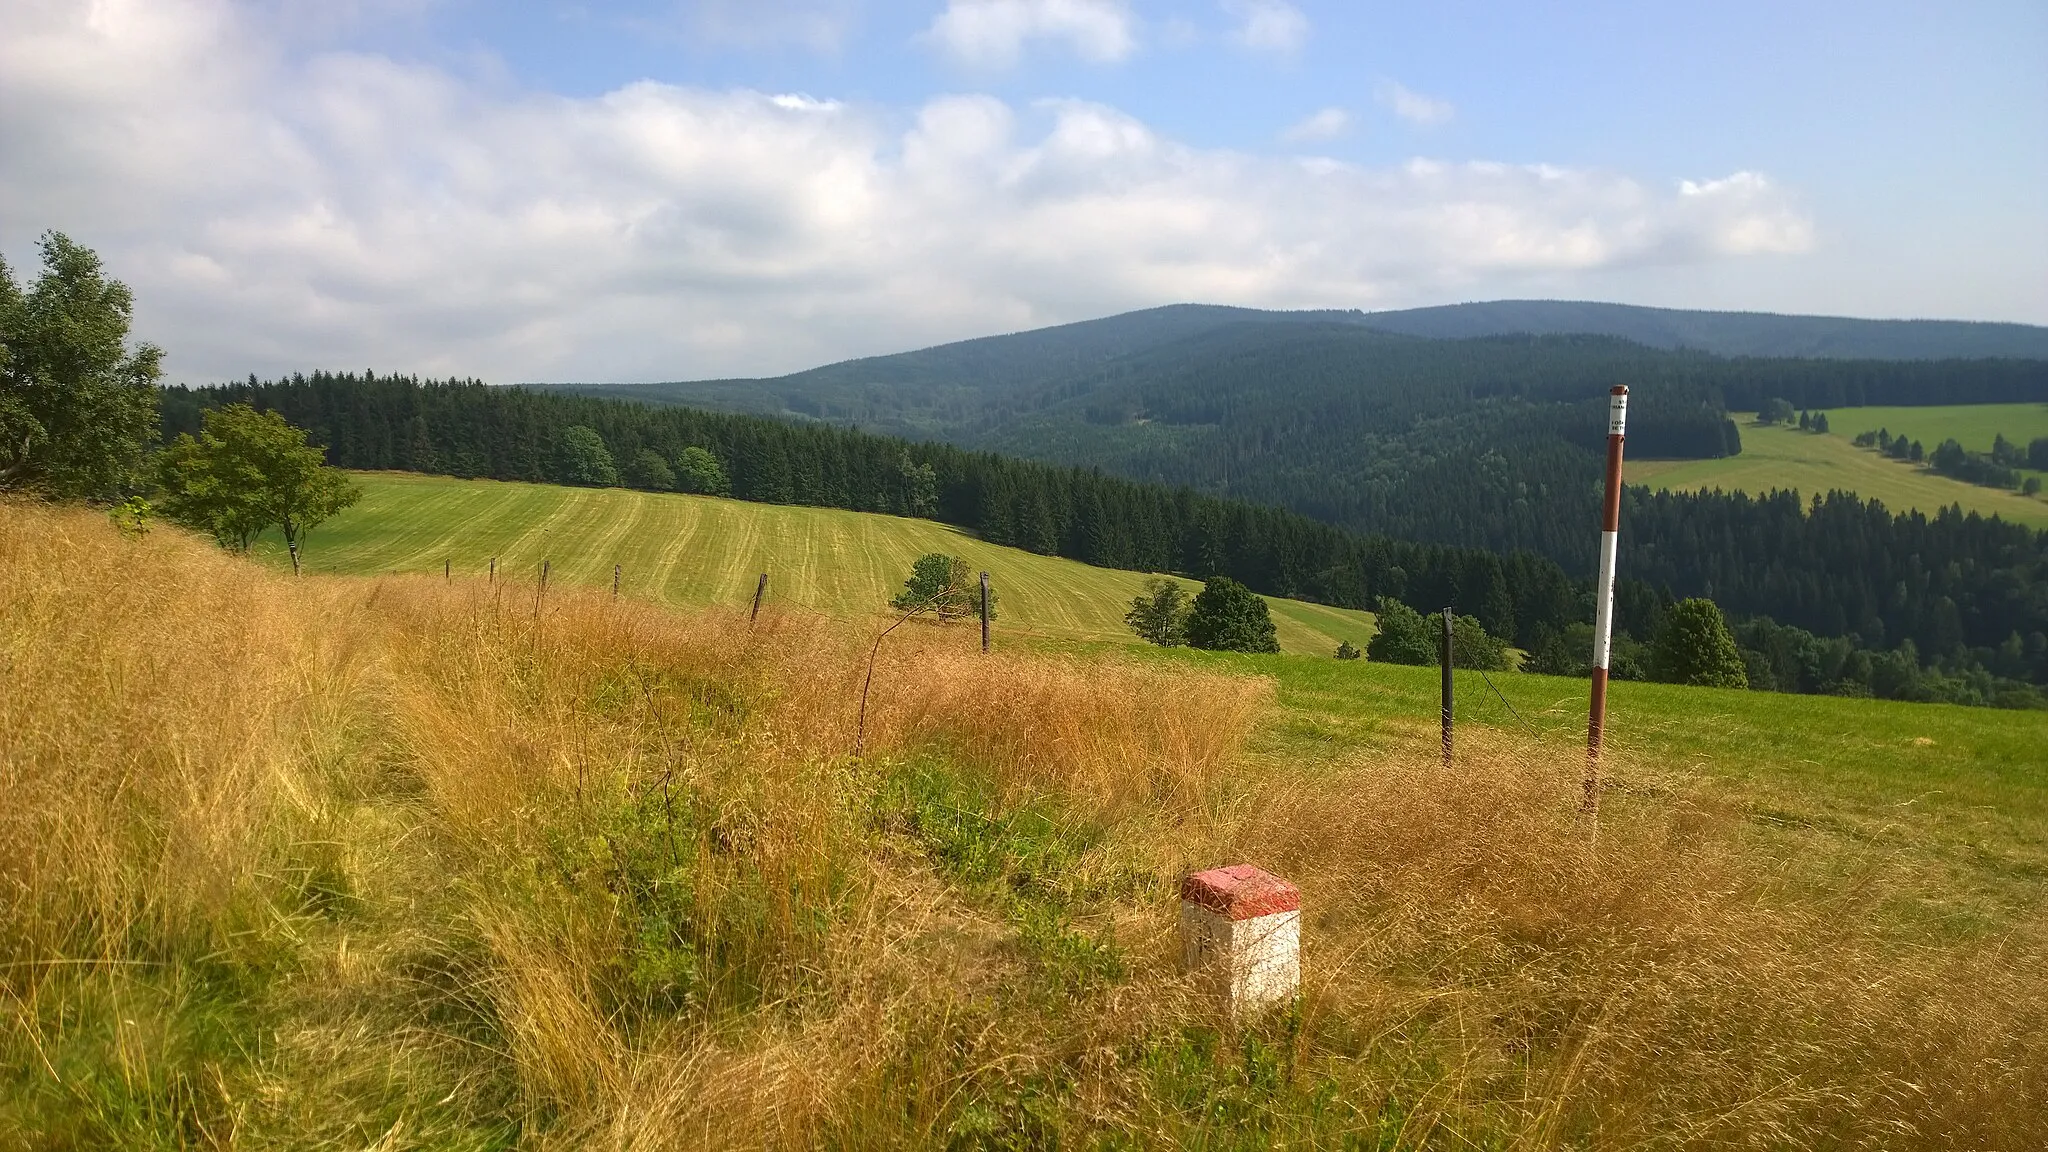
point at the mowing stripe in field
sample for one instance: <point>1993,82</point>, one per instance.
<point>700,550</point>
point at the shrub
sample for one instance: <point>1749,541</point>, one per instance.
<point>697,470</point>
<point>1346,650</point>
<point>582,458</point>
<point>648,470</point>
<point>1402,637</point>
<point>1229,617</point>
<point>1695,647</point>
<point>943,585</point>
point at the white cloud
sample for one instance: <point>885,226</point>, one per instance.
<point>1414,107</point>
<point>993,33</point>
<point>1268,25</point>
<point>344,210</point>
<point>1326,124</point>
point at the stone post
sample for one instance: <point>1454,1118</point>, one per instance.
<point>1240,928</point>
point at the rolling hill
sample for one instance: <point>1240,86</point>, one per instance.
<point>1784,457</point>
<point>699,550</point>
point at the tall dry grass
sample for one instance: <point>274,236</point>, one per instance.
<point>406,863</point>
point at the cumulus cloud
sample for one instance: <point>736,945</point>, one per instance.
<point>1325,124</point>
<point>1268,25</point>
<point>1414,107</point>
<point>993,33</point>
<point>344,210</point>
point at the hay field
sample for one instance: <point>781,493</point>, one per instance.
<point>701,551</point>
<point>399,863</point>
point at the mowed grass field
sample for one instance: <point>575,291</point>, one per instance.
<point>1777,457</point>
<point>697,550</point>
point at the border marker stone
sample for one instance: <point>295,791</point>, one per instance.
<point>1240,928</point>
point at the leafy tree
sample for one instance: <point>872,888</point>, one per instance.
<point>2031,486</point>
<point>77,406</point>
<point>1229,617</point>
<point>1346,650</point>
<point>648,470</point>
<point>697,470</point>
<point>584,459</point>
<point>1402,637</point>
<point>1774,411</point>
<point>1695,647</point>
<point>2037,453</point>
<point>944,586</point>
<point>1471,645</point>
<point>248,471</point>
<point>1160,613</point>
<point>920,488</point>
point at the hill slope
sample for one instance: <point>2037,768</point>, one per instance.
<point>1784,457</point>
<point>700,550</point>
<point>1725,333</point>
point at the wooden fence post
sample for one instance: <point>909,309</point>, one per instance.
<point>1446,660</point>
<point>447,569</point>
<point>760,590</point>
<point>984,611</point>
<point>615,581</point>
<point>493,579</point>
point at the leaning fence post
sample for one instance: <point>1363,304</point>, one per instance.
<point>493,579</point>
<point>760,590</point>
<point>615,581</point>
<point>447,569</point>
<point>984,611</point>
<point>1444,657</point>
<point>1240,931</point>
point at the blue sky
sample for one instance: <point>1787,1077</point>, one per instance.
<point>699,187</point>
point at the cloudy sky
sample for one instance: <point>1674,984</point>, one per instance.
<point>664,189</point>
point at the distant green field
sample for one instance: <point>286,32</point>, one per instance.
<point>698,550</point>
<point>1778,457</point>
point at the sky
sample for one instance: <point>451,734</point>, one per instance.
<point>679,189</point>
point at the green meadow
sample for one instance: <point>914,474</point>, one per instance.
<point>1775,457</point>
<point>698,550</point>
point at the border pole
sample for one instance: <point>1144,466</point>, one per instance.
<point>1444,658</point>
<point>615,581</point>
<point>1603,621</point>
<point>760,590</point>
<point>984,611</point>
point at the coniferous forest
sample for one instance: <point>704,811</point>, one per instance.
<point>1836,595</point>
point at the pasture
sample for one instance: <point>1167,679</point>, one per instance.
<point>400,862</point>
<point>703,551</point>
<point>1776,457</point>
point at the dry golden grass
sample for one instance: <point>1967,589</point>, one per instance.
<point>408,864</point>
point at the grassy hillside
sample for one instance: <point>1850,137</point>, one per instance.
<point>1778,457</point>
<point>406,863</point>
<point>698,550</point>
<point>1972,425</point>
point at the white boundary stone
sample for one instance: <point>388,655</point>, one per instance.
<point>1240,932</point>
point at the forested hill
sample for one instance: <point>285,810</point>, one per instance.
<point>1755,334</point>
<point>1970,595</point>
<point>1490,442</point>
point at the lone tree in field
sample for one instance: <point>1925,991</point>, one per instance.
<point>77,407</point>
<point>584,459</point>
<point>1346,650</point>
<point>944,586</point>
<point>1229,617</point>
<point>248,471</point>
<point>1695,647</point>
<point>1160,613</point>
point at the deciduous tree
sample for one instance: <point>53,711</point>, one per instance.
<point>1229,617</point>
<point>1160,613</point>
<point>247,471</point>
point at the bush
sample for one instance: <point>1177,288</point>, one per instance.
<point>1402,637</point>
<point>1229,617</point>
<point>944,586</point>
<point>1695,647</point>
<point>1160,614</point>
<point>1472,646</point>
<point>697,470</point>
<point>1346,650</point>
<point>582,458</point>
<point>648,470</point>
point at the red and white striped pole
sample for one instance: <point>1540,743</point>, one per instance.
<point>1603,620</point>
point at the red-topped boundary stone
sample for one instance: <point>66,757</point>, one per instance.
<point>1240,892</point>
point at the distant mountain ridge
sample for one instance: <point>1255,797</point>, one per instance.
<point>1725,333</point>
